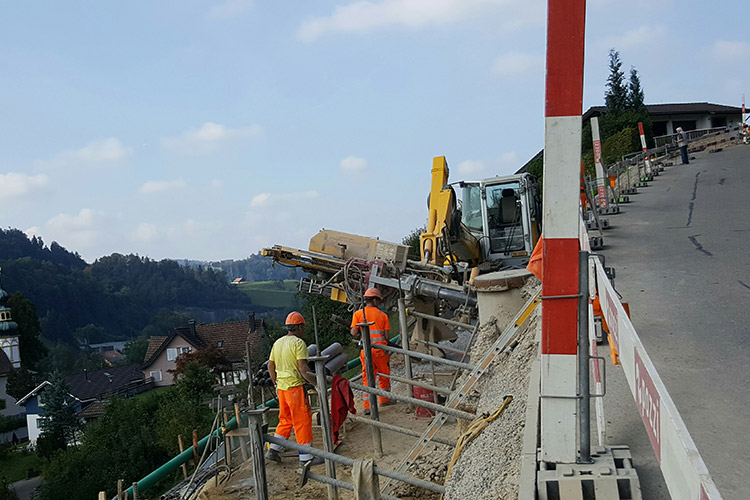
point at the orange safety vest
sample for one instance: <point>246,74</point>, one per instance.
<point>378,331</point>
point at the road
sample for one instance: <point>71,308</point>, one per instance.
<point>680,250</point>
<point>26,487</point>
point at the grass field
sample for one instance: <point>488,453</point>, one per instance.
<point>271,293</point>
<point>16,465</point>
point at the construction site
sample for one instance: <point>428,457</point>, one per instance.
<point>466,416</point>
<point>509,327</point>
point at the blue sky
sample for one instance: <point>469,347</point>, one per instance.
<point>209,129</point>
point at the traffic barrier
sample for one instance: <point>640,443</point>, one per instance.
<point>684,471</point>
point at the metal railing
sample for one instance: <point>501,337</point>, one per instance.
<point>690,134</point>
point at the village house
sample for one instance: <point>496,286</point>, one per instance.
<point>233,339</point>
<point>88,393</point>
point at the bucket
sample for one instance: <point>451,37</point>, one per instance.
<point>424,395</point>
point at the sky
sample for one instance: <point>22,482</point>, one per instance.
<point>210,129</point>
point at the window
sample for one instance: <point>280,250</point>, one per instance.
<point>184,350</point>
<point>156,375</point>
<point>220,343</point>
<point>171,354</point>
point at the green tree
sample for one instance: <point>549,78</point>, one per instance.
<point>412,241</point>
<point>31,347</point>
<point>135,350</point>
<point>21,382</point>
<point>636,98</point>
<point>327,312</point>
<point>616,95</point>
<point>59,421</point>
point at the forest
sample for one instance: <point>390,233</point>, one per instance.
<point>117,296</point>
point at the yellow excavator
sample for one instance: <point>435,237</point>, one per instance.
<point>495,225</point>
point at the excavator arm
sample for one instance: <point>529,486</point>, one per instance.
<point>445,234</point>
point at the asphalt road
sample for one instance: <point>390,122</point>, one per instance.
<point>26,487</point>
<point>681,250</point>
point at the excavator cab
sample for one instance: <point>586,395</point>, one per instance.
<point>504,215</point>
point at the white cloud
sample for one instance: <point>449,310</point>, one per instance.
<point>159,186</point>
<point>643,36</point>
<point>470,167</point>
<point>365,16</point>
<point>497,166</point>
<point>230,8</point>
<point>353,163</point>
<point>144,233</point>
<point>17,185</point>
<point>264,200</point>
<point>77,231</point>
<point>209,137</point>
<point>217,183</point>
<point>516,64</point>
<point>726,51</point>
<point>33,231</point>
<point>65,222</point>
<point>107,151</point>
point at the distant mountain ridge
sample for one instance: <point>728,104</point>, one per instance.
<point>254,268</point>
<point>121,295</point>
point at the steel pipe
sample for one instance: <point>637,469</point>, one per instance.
<point>440,346</point>
<point>449,322</point>
<point>423,385</point>
<point>418,402</point>
<point>325,420</point>
<point>584,389</point>
<point>364,328</point>
<point>400,430</point>
<point>421,483</point>
<point>426,357</point>
<point>341,484</point>
<point>403,329</point>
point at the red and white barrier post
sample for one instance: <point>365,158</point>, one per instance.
<point>601,189</point>
<point>645,149</point>
<point>566,21</point>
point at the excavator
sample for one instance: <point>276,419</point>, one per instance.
<point>494,225</point>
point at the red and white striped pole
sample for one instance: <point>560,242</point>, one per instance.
<point>601,190</point>
<point>643,145</point>
<point>566,21</point>
<point>743,126</point>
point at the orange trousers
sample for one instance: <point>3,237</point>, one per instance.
<point>380,364</point>
<point>294,413</point>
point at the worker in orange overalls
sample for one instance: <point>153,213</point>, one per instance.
<point>379,333</point>
<point>287,366</point>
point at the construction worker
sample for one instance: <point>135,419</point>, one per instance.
<point>379,333</point>
<point>287,366</point>
<point>682,142</point>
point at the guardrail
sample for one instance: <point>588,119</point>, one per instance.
<point>685,473</point>
<point>690,134</point>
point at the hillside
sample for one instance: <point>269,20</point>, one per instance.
<point>254,268</point>
<point>115,297</point>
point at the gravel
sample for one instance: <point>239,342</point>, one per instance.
<point>489,467</point>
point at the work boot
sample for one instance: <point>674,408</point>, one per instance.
<point>367,412</point>
<point>313,462</point>
<point>274,455</point>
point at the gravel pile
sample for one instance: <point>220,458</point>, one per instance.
<point>489,466</point>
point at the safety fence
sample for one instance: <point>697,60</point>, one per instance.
<point>684,471</point>
<point>691,135</point>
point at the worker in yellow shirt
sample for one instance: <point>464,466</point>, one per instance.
<point>379,333</point>
<point>287,366</point>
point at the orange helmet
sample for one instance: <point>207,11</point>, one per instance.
<point>294,318</point>
<point>373,292</point>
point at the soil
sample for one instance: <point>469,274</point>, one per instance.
<point>356,442</point>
